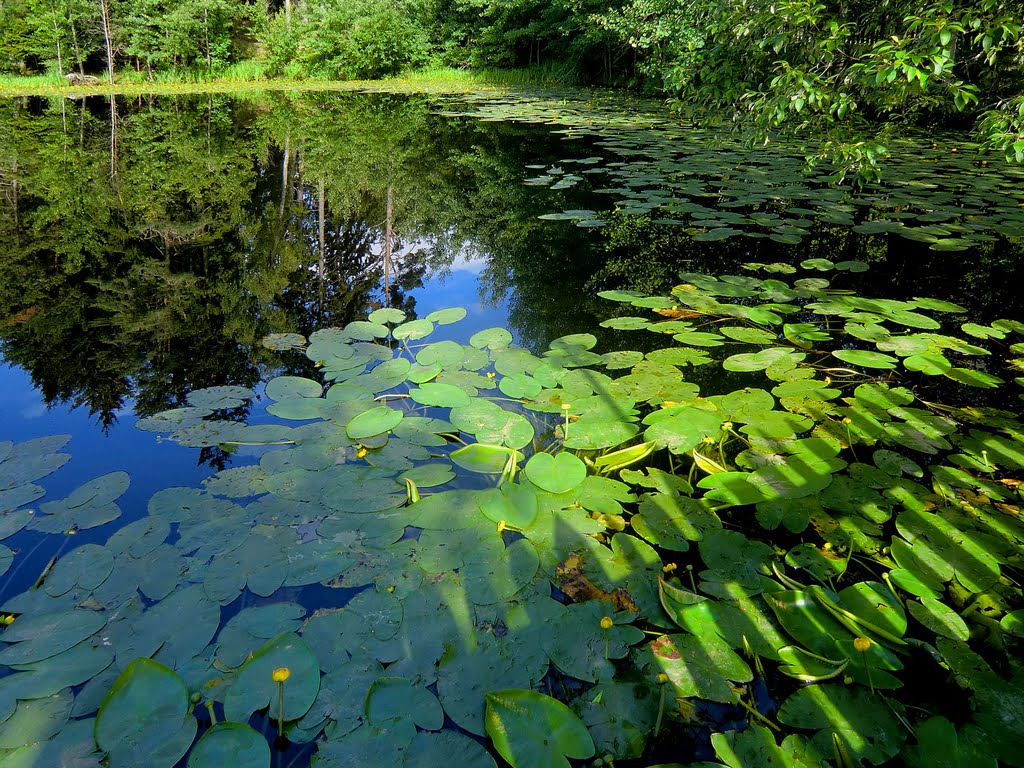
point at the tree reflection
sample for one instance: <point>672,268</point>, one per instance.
<point>148,257</point>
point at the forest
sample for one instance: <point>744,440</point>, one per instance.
<point>849,74</point>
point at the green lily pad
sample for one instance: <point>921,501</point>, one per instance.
<point>440,395</point>
<point>74,745</point>
<point>447,353</point>
<point>284,387</point>
<point>255,689</point>
<point>447,316</point>
<point>1013,623</point>
<point>35,720</point>
<point>531,730</point>
<point>939,618</point>
<point>363,330</point>
<point>386,315</point>
<point>973,378</point>
<point>217,398</point>
<point>446,748</point>
<point>866,726</point>
<point>556,474</point>
<point>939,746</point>
<point>36,637</point>
<point>494,577</point>
<point>280,342</point>
<point>483,458</point>
<point>245,632</point>
<point>87,567</point>
<point>413,330</point>
<point>866,358</point>
<point>231,744</point>
<point>698,665</point>
<point>515,505</point>
<point>492,338</point>
<point>146,717</point>
<point>394,698</point>
<point>930,364</point>
<point>759,361</point>
<point>375,421</point>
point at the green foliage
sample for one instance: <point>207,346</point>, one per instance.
<point>811,66</point>
<point>348,40</point>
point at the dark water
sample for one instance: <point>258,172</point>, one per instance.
<point>147,249</point>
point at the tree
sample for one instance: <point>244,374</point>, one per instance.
<point>845,70</point>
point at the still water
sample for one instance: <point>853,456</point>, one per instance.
<point>148,246</point>
<point>147,249</point>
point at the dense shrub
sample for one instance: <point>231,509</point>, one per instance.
<point>347,39</point>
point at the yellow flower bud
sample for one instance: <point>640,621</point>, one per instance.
<point>281,674</point>
<point>501,526</point>
<point>662,678</point>
<point>566,406</point>
<point>607,623</point>
<point>862,644</point>
<point>360,453</point>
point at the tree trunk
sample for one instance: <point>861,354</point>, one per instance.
<point>108,41</point>
<point>78,51</point>
<point>56,39</point>
<point>288,15</point>
<point>206,35</point>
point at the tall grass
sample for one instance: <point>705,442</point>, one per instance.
<point>548,74</point>
<point>247,71</point>
<point>251,75</point>
<point>31,81</point>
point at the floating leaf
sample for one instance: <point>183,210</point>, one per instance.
<point>231,744</point>
<point>439,395</point>
<point>284,387</point>
<point>866,358</point>
<point>375,421</point>
<point>413,330</point>
<point>254,688</point>
<point>480,457</point>
<point>40,636</point>
<point>556,474</point>
<point>531,730</point>
<point>447,316</point>
<point>939,618</point>
<point>146,717</point>
<point>867,727</point>
<point>386,315</point>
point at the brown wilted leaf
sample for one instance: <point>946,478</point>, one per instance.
<point>579,588</point>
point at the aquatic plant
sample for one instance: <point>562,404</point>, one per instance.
<point>814,548</point>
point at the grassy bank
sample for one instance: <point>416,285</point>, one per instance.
<point>247,77</point>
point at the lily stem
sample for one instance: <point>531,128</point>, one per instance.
<point>280,710</point>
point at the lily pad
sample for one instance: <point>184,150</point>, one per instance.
<point>375,421</point>
<point>231,744</point>
<point>531,730</point>
<point>556,474</point>
<point>255,688</point>
<point>146,717</point>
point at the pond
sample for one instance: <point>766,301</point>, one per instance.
<point>478,412</point>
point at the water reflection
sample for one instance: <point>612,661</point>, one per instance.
<point>148,245</point>
<point>148,257</point>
